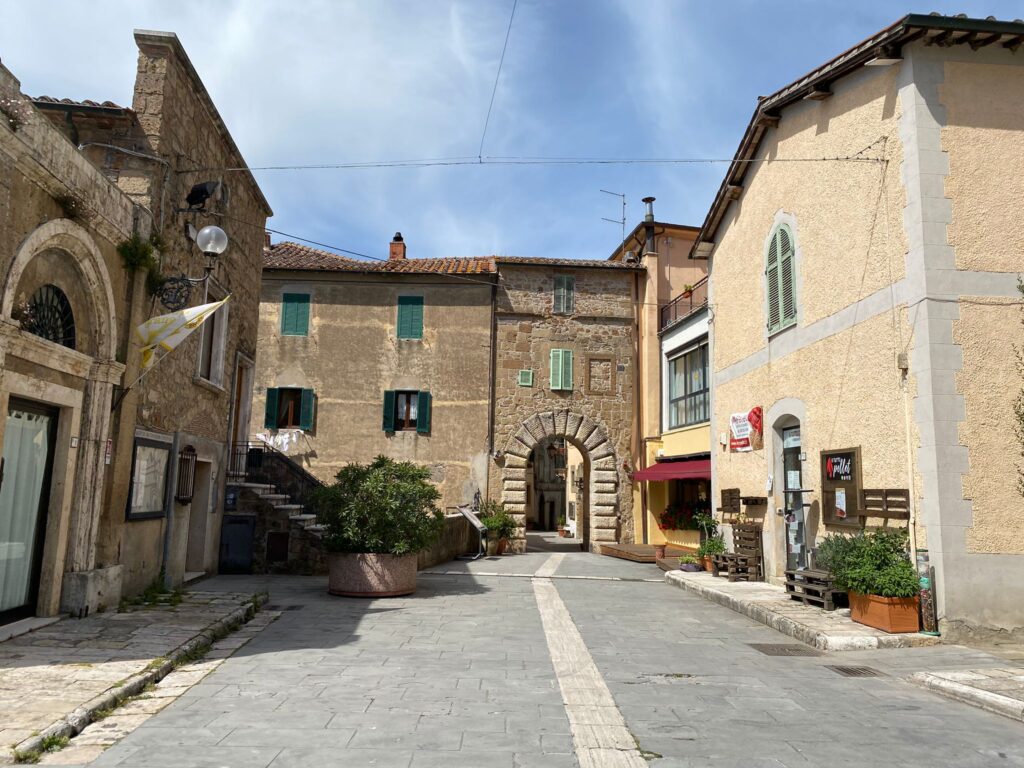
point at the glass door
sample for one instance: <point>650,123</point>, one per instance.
<point>24,497</point>
<point>796,551</point>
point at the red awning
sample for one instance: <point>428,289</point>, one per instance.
<point>698,469</point>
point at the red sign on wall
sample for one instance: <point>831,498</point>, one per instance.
<point>746,430</point>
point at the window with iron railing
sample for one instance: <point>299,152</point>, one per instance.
<point>689,399</point>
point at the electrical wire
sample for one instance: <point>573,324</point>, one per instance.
<point>497,77</point>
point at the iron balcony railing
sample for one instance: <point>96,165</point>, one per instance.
<point>258,462</point>
<point>685,304</point>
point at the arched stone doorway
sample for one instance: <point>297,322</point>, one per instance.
<point>599,515</point>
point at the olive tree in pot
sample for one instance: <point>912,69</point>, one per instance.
<point>376,518</point>
<point>876,572</point>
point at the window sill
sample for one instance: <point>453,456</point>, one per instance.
<point>779,331</point>
<point>686,427</point>
<point>209,385</point>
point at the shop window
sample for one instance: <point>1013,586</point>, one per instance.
<point>565,294</point>
<point>211,345</point>
<point>295,314</point>
<point>561,369</point>
<point>410,317</point>
<point>688,388</point>
<point>290,408</point>
<point>148,488</point>
<point>780,280</point>
<point>407,411</point>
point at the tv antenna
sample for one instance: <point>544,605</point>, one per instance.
<point>622,221</point>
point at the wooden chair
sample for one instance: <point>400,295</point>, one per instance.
<point>746,561</point>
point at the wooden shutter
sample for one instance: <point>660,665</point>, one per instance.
<point>410,317</point>
<point>559,304</point>
<point>389,411</point>
<point>295,314</point>
<point>772,284</point>
<point>306,409</point>
<point>270,412</point>
<point>569,291</point>
<point>787,278</point>
<point>423,402</point>
<point>566,369</point>
<point>556,369</point>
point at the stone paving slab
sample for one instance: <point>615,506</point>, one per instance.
<point>55,674</point>
<point>999,689</point>
<point>769,604</point>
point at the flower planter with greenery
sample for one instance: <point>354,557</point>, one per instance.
<point>876,571</point>
<point>713,545</point>
<point>500,526</point>
<point>690,563</point>
<point>376,518</point>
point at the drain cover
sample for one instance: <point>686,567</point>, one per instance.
<point>784,649</point>
<point>855,671</point>
<point>282,607</point>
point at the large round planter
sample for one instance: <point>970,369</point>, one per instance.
<point>889,614</point>
<point>370,575</point>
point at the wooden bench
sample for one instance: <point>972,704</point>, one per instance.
<point>812,587</point>
<point>746,561</point>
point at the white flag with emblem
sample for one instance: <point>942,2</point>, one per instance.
<point>159,335</point>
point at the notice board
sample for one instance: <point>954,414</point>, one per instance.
<point>841,487</point>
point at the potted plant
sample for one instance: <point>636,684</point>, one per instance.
<point>563,531</point>
<point>500,526</point>
<point>689,563</point>
<point>376,518</point>
<point>659,551</point>
<point>876,572</point>
<point>712,545</point>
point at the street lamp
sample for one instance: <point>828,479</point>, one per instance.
<point>212,241</point>
<point>175,291</point>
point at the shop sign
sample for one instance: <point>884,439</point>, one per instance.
<point>841,486</point>
<point>745,431</point>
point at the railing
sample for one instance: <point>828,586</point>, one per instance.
<point>685,304</point>
<point>262,463</point>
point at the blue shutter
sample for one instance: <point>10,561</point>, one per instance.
<point>423,413</point>
<point>410,317</point>
<point>295,314</point>
<point>389,411</point>
<point>270,411</point>
<point>306,410</point>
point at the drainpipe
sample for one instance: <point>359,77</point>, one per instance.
<point>903,365</point>
<point>491,373</point>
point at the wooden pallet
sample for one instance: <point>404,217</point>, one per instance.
<point>812,587</point>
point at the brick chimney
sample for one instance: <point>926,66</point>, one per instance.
<point>397,247</point>
<point>266,240</point>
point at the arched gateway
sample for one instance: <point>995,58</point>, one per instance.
<point>600,512</point>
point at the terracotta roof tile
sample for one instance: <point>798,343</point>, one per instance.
<point>541,261</point>
<point>300,257</point>
<point>73,103</point>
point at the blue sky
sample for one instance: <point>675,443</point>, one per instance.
<point>339,81</point>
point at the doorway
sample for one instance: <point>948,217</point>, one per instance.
<point>795,510</point>
<point>25,472</point>
<point>198,522</point>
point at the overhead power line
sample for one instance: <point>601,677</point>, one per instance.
<point>497,77</point>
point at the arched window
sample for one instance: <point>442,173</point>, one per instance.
<point>780,282</point>
<point>48,315</point>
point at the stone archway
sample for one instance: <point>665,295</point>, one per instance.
<point>591,437</point>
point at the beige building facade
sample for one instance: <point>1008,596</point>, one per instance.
<point>864,303</point>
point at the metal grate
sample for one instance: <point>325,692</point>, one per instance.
<point>283,607</point>
<point>784,649</point>
<point>855,671</point>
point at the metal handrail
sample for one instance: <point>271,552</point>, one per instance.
<point>685,304</point>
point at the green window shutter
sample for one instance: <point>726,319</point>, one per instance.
<point>787,278</point>
<point>559,305</point>
<point>410,317</point>
<point>423,413</point>
<point>295,314</point>
<point>565,289</point>
<point>306,409</point>
<point>270,412</point>
<point>556,369</point>
<point>567,369</point>
<point>526,378</point>
<point>389,411</point>
<point>772,284</point>
<point>570,294</point>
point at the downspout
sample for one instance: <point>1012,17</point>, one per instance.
<point>912,501</point>
<point>491,374</point>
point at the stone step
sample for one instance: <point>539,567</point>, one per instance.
<point>288,507</point>
<point>258,487</point>
<point>305,520</point>
<point>272,497</point>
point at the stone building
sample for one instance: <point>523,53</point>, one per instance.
<point>90,507</point>
<point>362,358</point>
<point>864,307</point>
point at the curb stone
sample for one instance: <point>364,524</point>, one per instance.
<point>74,722</point>
<point>967,694</point>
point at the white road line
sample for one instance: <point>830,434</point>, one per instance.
<point>534,576</point>
<point>599,732</point>
<point>550,565</point>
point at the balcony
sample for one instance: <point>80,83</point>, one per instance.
<point>685,304</point>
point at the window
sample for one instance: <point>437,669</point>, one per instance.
<point>410,317</point>
<point>565,294</point>
<point>148,489</point>
<point>561,369</point>
<point>48,315</point>
<point>780,280</point>
<point>295,314</point>
<point>407,411</point>
<point>289,408</point>
<point>211,345</point>
<point>526,378</point>
<point>688,387</point>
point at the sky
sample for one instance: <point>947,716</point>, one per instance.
<point>342,81</point>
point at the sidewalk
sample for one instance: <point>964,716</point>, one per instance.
<point>999,689</point>
<point>53,680</point>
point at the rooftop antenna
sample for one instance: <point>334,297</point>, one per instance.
<point>621,221</point>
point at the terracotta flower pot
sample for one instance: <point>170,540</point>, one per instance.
<point>709,566</point>
<point>659,551</point>
<point>370,574</point>
<point>889,614</point>
<point>502,546</point>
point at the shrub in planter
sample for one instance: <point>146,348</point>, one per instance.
<point>713,545</point>
<point>377,517</point>
<point>500,525</point>
<point>876,571</point>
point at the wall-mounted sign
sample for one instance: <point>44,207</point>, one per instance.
<point>841,487</point>
<point>745,431</point>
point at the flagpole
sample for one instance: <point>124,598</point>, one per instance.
<point>126,390</point>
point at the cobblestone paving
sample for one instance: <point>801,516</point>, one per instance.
<point>46,674</point>
<point>460,674</point>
